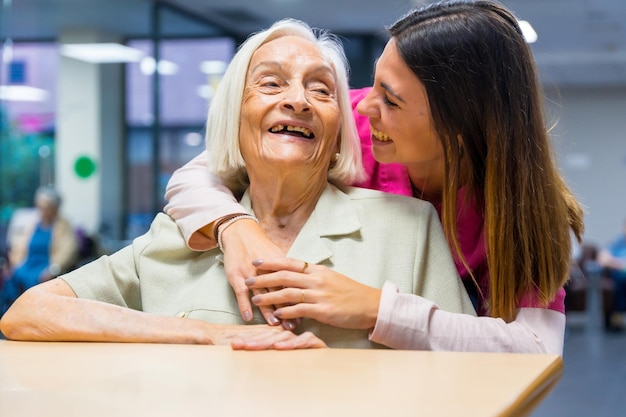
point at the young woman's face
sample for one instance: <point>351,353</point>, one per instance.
<point>400,120</point>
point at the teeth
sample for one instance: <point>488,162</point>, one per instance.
<point>383,137</point>
<point>306,132</point>
<point>303,130</point>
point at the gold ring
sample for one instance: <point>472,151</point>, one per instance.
<point>306,265</point>
<point>302,295</point>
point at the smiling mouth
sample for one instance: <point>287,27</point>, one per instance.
<point>298,131</point>
<point>379,136</point>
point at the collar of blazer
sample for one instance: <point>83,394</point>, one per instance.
<point>334,216</point>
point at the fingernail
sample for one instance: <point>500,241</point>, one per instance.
<point>257,262</point>
<point>256,299</point>
<point>247,316</point>
<point>249,281</point>
<point>274,320</point>
<point>288,324</point>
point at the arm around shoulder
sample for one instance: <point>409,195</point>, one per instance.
<point>196,198</point>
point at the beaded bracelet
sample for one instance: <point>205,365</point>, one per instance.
<point>224,226</point>
<point>219,222</point>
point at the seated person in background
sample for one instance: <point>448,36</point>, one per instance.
<point>40,250</point>
<point>613,257</point>
<point>280,132</point>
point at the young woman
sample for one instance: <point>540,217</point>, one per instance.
<point>457,102</point>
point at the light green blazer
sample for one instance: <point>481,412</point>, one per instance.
<point>367,235</point>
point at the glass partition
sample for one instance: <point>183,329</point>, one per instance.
<point>164,102</point>
<point>27,119</point>
<point>167,97</point>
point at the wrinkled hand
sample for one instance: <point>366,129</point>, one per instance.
<point>261,337</point>
<point>317,292</point>
<point>243,242</point>
<point>285,340</point>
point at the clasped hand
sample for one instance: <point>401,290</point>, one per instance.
<point>284,292</point>
<point>316,292</point>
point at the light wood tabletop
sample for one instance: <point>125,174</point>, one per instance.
<point>112,379</point>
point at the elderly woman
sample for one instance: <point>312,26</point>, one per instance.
<point>280,126</point>
<point>41,249</point>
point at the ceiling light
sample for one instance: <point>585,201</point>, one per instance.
<point>528,31</point>
<point>206,92</point>
<point>22,93</point>
<point>7,50</point>
<point>147,66</point>
<point>193,139</point>
<point>101,53</point>
<point>213,67</point>
<point>167,67</point>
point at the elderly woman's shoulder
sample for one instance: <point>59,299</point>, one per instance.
<point>164,232</point>
<point>388,199</point>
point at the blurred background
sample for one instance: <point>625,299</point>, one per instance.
<point>109,126</point>
<point>106,98</point>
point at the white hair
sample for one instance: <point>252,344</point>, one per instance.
<point>222,130</point>
<point>48,193</point>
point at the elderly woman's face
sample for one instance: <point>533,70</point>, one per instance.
<point>289,116</point>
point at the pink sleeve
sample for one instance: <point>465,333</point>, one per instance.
<point>196,197</point>
<point>408,321</point>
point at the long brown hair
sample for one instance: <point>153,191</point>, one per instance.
<point>487,106</point>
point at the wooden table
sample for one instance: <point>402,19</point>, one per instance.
<point>100,379</point>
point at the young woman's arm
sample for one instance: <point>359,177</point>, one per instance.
<point>401,320</point>
<point>196,199</point>
<point>407,321</point>
<point>404,320</point>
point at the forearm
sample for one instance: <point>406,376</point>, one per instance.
<point>408,321</point>
<point>196,198</point>
<point>61,316</point>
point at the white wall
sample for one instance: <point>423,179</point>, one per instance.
<point>590,140</point>
<point>78,134</point>
<point>90,124</point>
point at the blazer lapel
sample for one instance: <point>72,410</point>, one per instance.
<point>334,216</point>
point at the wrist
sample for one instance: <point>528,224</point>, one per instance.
<point>372,314</point>
<point>227,224</point>
<point>214,228</point>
